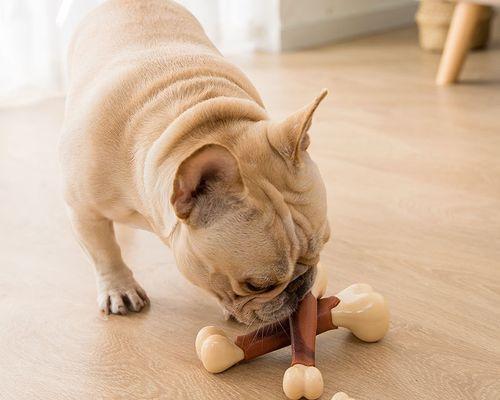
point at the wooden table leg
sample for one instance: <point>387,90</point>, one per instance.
<point>462,28</point>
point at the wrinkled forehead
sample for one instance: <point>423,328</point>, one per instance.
<point>247,246</point>
<point>263,250</point>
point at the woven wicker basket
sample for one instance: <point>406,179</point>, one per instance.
<point>433,20</point>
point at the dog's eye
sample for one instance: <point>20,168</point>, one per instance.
<point>253,287</point>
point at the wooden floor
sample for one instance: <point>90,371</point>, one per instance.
<point>413,178</point>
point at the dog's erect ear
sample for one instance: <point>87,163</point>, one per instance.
<point>208,168</point>
<point>290,137</point>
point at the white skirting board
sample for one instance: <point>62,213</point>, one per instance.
<point>336,29</point>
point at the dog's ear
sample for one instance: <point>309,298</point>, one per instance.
<point>210,168</point>
<point>290,137</point>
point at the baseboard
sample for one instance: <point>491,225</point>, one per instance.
<point>339,29</point>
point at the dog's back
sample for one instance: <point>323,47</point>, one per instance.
<point>131,30</point>
<point>134,41</point>
<point>134,66</point>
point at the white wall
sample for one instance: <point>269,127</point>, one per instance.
<point>275,25</point>
<point>313,22</point>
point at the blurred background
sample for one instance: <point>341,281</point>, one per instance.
<point>34,34</point>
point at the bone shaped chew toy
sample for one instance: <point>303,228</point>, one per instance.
<point>358,308</point>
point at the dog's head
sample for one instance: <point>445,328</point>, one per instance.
<point>253,218</point>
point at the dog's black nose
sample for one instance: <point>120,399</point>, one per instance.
<point>302,283</point>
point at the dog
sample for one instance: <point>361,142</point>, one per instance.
<point>162,133</point>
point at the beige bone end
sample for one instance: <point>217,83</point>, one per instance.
<point>320,284</point>
<point>203,334</point>
<point>341,396</point>
<point>302,381</point>
<point>364,312</point>
<point>216,351</point>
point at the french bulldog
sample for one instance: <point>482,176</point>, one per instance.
<point>164,134</point>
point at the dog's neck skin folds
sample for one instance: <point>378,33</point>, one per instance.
<point>161,92</point>
<point>197,126</point>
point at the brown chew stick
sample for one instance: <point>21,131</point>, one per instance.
<point>277,335</point>
<point>325,306</point>
<point>303,324</point>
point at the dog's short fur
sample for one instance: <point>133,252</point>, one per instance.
<point>162,133</point>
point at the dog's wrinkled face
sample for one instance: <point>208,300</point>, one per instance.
<point>253,220</point>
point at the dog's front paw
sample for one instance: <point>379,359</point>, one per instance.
<point>119,292</point>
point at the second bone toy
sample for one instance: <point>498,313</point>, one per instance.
<point>357,308</point>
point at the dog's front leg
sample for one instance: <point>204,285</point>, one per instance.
<point>117,290</point>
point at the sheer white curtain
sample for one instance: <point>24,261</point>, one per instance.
<point>239,25</point>
<point>32,47</point>
<point>32,44</point>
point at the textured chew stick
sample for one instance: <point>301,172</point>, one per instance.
<point>303,325</point>
<point>277,335</point>
<point>303,379</point>
<point>324,317</point>
<point>264,340</point>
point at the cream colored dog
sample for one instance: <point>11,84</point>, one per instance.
<point>162,133</point>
